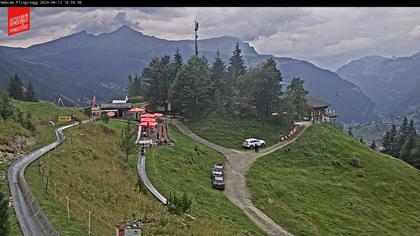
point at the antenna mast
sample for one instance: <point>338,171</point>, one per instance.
<point>196,36</point>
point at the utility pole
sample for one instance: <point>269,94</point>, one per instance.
<point>196,36</point>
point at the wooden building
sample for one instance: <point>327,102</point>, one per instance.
<point>318,109</point>
<point>120,109</point>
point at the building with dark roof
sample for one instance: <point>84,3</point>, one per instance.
<point>120,109</point>
<point>318,110</point>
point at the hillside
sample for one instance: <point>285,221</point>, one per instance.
<point>83,63</point>
<point>186,168</point>
<point>15,139</point>
<point>301,190</point>
<point>392,83</point>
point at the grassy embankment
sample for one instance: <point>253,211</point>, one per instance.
<point>42,113</point>
<point>89,168</point>
<point>186,168</point>
<point>304,193</point>
<point>230,132</point>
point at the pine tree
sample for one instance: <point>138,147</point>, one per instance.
<point>6,107</point>
<point>361,140</point>
<point>373,145</point>
<point>386,142</point>
<point>4,216</point>
<point>403,134</point>
<point>15,88</point>
<point>218,77</point>
<point>236,67</point>
<point>412,129</point>
<point>394,144</point>
<point>407,147</point>
<point>350,132</point>
<point>177,63</point>
<point>191,94</point>
<point>295,96</point>
<point>30,93</point>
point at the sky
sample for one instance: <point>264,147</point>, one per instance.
<point>328,37</point>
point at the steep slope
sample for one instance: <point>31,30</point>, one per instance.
<point>78,64</point>
<point>392,83</point>
<point>300,189</point>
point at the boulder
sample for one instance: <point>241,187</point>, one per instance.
<point>356,162</point>
<point>336,163</point>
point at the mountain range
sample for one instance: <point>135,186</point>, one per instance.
<point>392,83</point>
<point>75,66</point>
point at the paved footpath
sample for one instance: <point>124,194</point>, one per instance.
<point>238,163</point>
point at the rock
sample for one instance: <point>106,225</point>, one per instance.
<point>360,174</point>
<point>269,200</point>
<point>356,162</point>
<point>336,163</point>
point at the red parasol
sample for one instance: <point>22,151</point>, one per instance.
<point>147,120</point>
<point>136,109</point>
<point>144,124</point>
<point>110,114</point>
<point>152,124</point>
<point>158,114</point>
<point>147,115</point>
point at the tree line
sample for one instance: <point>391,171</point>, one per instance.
<point>17,91</point>
<point>195,88</point>
<point>403,143</point>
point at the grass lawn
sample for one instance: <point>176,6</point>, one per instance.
<point>303,192</point>
<point>230,132</point>
<point>186,168</point>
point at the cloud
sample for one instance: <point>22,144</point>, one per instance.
<point>415,33</point>
<point>326,36</point>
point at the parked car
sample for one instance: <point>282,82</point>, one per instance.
<point>218,183</point>
<point>218,170</point>
<point>253,142</point>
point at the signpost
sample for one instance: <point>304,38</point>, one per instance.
<point>64,118</point>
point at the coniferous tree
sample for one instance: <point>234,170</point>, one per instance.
<point>386,142</point>
<point>350,132</point>
<point>412,129</point>
<point>361,140</point>
<point>30,93</point>
<point>295,97</point>
<point>177,63</point>
<point>393,140</point>
<point>407,147</point>
<point>218,77</point>
<point>261,85</point>
<point>236,67</point>
<point>6,107</point>
<point>4,216</point>
<point>373,145</point>
<point>15,88</point>
<point>403,134</point>
<point>158,75</point>
<point>192,92</point>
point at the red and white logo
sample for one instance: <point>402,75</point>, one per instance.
<point>19,20</point>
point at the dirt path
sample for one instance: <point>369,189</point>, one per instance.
<point>236,190</point>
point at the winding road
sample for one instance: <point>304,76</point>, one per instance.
<point>238,163</point>
<point>32,219</point>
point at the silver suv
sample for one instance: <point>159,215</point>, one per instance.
<point>253,142</point>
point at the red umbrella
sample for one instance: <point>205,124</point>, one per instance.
<point>152,124</point>
<point>143,124</point>
<point>147,120</point>
<point>110,114</point>
<point>136,109</point>
<point>147,115</point>
<point>158,114</point>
